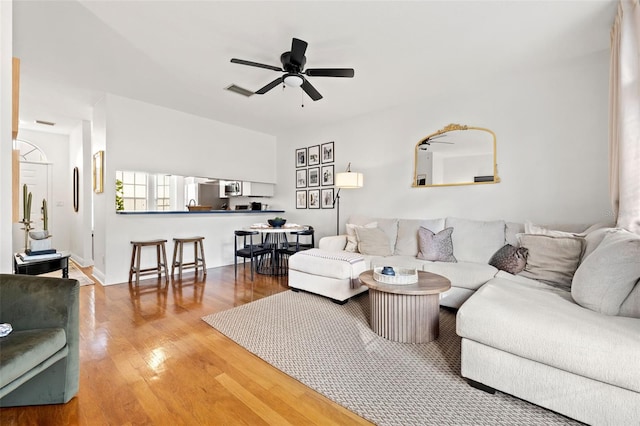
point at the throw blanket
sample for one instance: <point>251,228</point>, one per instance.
<point>344,256</point>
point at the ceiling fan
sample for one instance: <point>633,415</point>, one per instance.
<point>294,73</point>
<point>424,145</point>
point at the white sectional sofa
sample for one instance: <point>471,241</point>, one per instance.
<point>566,338</point>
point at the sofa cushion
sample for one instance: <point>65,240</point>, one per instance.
<point>435,247</point>
<point>531,228</point>
<point>607,276</point>
<point>512,229</point>
<point>407,241</point>
<point>510,259</point>
<point>469,275</point>
<point>389,226</point>
<point>552,260</point>
<point>373,241</point>
<point>23,350</point>
<point>475,240</point>
<point>543,324</point>
<point>352,238</point>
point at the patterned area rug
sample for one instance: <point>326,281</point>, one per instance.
<point>74,273</point>
<point>331,349</point>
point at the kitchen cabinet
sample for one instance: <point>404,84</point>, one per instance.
<point>258,189</point>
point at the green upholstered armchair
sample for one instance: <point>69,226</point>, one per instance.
<point>39,360</point>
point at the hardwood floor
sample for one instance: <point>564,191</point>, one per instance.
<point>148,358</point>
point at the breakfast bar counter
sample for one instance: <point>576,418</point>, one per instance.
<point>199,212</point>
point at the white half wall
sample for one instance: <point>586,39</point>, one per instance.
<point>551,128</point>
<point>144,137</point>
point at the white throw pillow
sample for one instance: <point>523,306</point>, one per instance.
<point>552,260</point>
<point>352,238</point>
<point>608,275</point>
<point>373,241</point>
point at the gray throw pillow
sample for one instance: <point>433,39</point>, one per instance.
<point>435,247</point>
<point>552,260</point>
<point>510,259</point>
<point>373,241</point>
<point>608,276</point>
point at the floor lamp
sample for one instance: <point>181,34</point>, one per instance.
<point>346,180</point>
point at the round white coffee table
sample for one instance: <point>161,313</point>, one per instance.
<point>408,313</point>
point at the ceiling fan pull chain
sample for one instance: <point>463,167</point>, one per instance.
<point>302,97</point>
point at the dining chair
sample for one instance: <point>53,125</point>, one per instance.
<point>292,247</point>
<point>247,250</point>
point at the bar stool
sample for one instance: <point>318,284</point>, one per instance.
<point>198,261</point>
<point>136,254</point>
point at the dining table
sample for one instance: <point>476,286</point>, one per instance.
<point>275,239</point>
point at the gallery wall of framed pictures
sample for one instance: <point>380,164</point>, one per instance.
<point>315,176</point>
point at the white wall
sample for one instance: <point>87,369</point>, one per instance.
<point>80,157</point>
<point>551,128</point>
<point>6,145</point>
<point>144,137</point>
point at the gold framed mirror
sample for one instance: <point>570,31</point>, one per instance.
<point>456,155</point>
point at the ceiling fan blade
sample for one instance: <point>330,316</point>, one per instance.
<point>330,72</point>
<point>298,49</point>
<point>255,64</point>
<point>311,91</point>
<point>269,86</point>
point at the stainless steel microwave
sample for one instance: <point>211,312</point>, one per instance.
<point>232,188</point>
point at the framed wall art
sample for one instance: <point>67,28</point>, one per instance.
<point>314,198</point>
<point>76,189</point>
<point>314,155</point>
<point>301,157</point>
<point>301,199</point>
<point>326,196</point>
<point>327,175</point>
<point>301,178</point>
<point>314,177</point>
<point>98,172</point>
<point>327,152</point>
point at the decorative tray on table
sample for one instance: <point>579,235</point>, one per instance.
<point>395,275</point>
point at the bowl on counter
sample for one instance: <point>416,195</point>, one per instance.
<point>277,223</point>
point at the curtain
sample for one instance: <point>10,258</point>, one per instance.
<point>624,116</point>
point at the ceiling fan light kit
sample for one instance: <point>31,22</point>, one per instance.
<point>293,80</point>
<point>293,66</point>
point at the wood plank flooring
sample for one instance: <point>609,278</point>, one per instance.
<point>147,358</point>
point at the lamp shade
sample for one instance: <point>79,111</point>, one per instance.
<point>349,180</point>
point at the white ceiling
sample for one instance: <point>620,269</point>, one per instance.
<point>177,53</point>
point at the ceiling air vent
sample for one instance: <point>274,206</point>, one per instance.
<point>239,90</point>
<point>46,123</point>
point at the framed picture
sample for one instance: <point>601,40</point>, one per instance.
<point>327,175</point>
<point>98,172</point>
<point>314,155</point>
<point>314,176</point>
<point>314,198</point>
<point>301,178</point>
<point>327,152</point>
<point>76,189</point>
<point>326,198</point>
<point>301,199</point>
<point>301,157</point>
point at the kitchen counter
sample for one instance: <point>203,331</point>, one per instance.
<point>135,212</point>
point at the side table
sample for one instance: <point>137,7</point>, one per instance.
<point>406,313</point>
<point>41,266</point>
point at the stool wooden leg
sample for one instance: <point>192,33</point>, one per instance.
<point>204,263</point>
<point>133,259</point>
<point>139,249</point>
<point>173,260</point>
<point>164,258</point>
<point>180,259</point>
